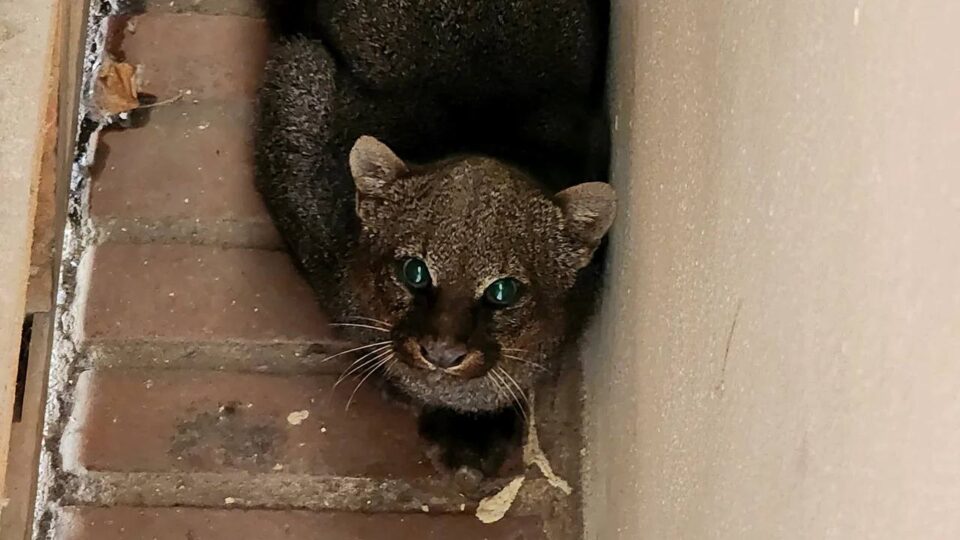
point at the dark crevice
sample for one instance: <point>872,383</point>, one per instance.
<point>24,360</point>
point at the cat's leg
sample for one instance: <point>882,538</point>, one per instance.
<point>471,445</point>
<point>311,114</point>
<point>301,166</point>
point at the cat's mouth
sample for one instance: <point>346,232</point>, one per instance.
<point>438,387</point>
<point>471,366</point>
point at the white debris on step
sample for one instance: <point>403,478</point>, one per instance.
<point>533,454</point>
<point>297,417</point>
<point>494,507</point>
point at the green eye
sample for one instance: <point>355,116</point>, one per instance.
<point>502,292</point>
<point>415,273</point>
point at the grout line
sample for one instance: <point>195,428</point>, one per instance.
<point>275,358</point>
<point>281,491</point>
<point>218,233</point>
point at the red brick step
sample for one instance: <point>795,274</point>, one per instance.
<point>184,176</point>
<point>126,523</point>
<point>182,293</point>
<point>217,57</point>
<point>202,421</point>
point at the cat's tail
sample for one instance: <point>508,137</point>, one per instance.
<point>292,17</point>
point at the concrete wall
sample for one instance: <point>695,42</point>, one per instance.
<point>25,37</point>
<point>779,352</point>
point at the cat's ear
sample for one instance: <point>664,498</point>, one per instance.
<point>373,166</point>
<point>588,210</point>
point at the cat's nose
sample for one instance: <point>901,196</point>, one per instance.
<point>443,353</point>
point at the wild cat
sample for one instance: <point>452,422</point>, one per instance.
<point>438,170</point>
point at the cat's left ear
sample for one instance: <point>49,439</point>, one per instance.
<point>373,166</point>
<point>588,210</point>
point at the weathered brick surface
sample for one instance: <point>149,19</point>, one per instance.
<point>212,56</point>
<point>198,293</point>
<point>185,175</point>
<point>188,162</point>
<point>195,524</point>
<point>203,421</point>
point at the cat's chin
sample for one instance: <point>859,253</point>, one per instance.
<point>440,389</point>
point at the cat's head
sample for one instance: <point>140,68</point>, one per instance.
<point>469,263</point>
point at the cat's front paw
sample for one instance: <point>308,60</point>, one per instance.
<point>470,447</point>
<point>468,480</point>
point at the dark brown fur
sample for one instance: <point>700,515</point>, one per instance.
<point>494,109</point>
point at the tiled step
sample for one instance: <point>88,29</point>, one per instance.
<point>200,306</point>
<point>215,57</point>
<point>203,421</point>
<point>207,439</point>
<point>185,176</point>
<point>199,293</point>
<point>201,524</point>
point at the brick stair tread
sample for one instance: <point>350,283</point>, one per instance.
<point>213,56</point>
<point>183,293</point>
<point>185,175</point>
<point>205,421</point>
<point>124,523</point>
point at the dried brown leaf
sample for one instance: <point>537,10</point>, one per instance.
<point>117,88</point>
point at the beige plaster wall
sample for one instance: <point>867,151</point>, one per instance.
<point>25,31</point>
<point>779,351</point>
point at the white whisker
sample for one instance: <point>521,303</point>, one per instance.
<point>372,370</point>
<point>362,361</point>
<point>358,365</point>
<point>531,363</point>
<point>355,349</point>
<point>385,324</point>
<point>517,404</point>
<point>496,385</point>
<point>515,384</point>
<point>367,326</point>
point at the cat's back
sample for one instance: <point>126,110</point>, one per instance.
<point>502,46</point>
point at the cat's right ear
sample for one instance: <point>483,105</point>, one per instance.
<point>373,166</point>
<point>589,210</point>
